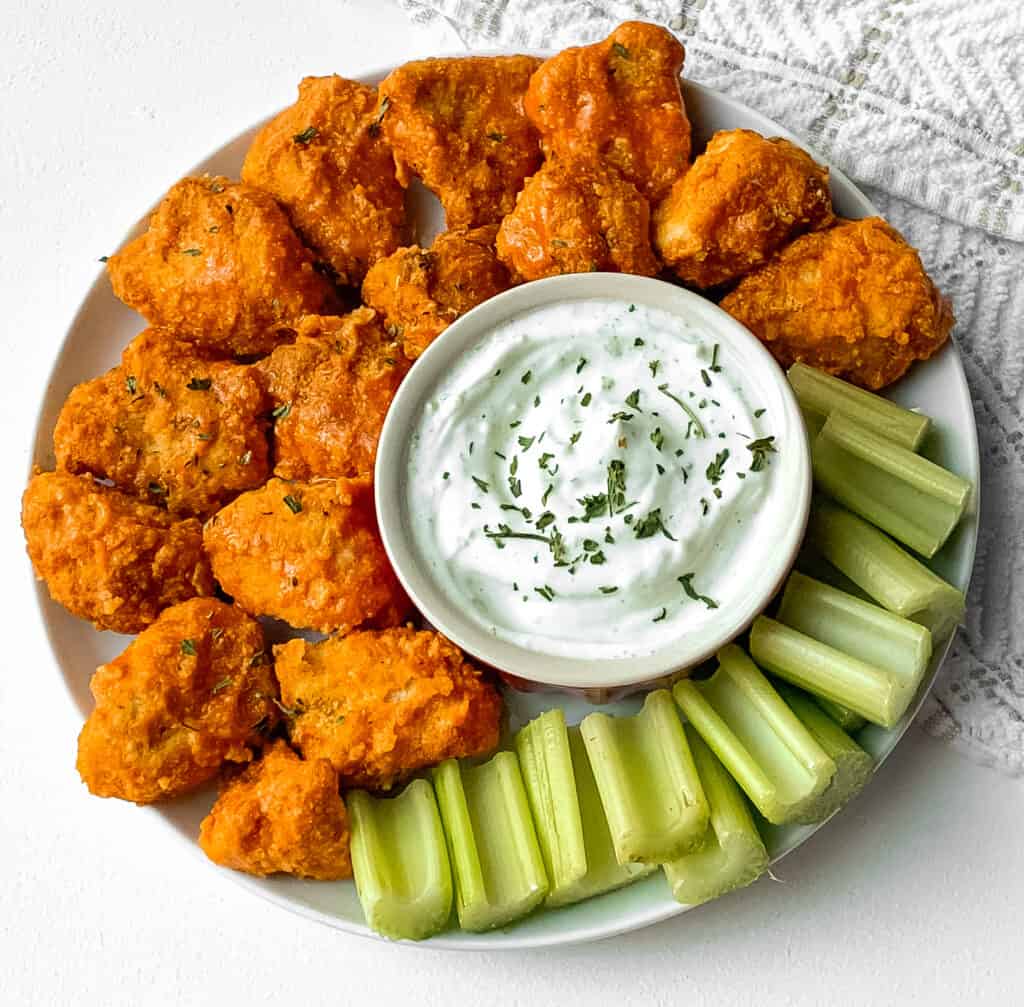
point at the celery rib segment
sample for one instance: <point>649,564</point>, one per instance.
<point>758,738</point>
<point>849,721</point>
<point>400,862</point>
<point>497,864</point>
<point>732,854</point>
<point>649,787</point>
<point>853,765</point>
<point>916,501</point>
<point>846,650</point>
<point>821,394</point>
<point>883,570</point>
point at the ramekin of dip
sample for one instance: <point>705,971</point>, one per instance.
<point>593,482</point>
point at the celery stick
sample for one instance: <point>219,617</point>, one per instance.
<point>400,862</point>
<point>821,394</point>
<point>849,721</point>
<point>757,736</point>
<point>498,868</point>
<point>874,693</point>
<point>732,854</point>
<point>812,421</point>
<point>883,570</point>
<point>853,765</point>
<point>649,788</point>
<point>858,628</point>
<point>547,765</point>
<point>914,500</point>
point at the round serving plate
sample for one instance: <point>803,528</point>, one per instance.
<point>93,343</point>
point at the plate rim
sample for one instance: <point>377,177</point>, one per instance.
<point>502,939</point>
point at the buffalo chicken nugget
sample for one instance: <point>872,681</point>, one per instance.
<point>420,292</point>
<point>327,162</point>
<point>307,553</point>
<point>853,301</point>
<point>382,704</point>
<point>742,199</point>
<point>617,102</point>
<point>191,691</point>
<point>331,390</point>
<point>222,267</point>
<point>459,125</point>
<point>577,218</point>
<point>107,557</point>
<point>168,425</point>
<point>280,815</point>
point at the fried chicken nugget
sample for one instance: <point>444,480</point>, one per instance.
<point>280,816</point>
<point>617,102</point>
<point>459,125</point>
<point>853,301</point>
<point>108,558</point>
<point>382,704</point>
<point>741,201</point>
<point>421,292</point>
<point>307,553</point>
<point>573,217</point>
<point>326,161</point>
<point>168,425</point>
<point>331,389</point>
<point>222,267</point>
<point>191,691</point>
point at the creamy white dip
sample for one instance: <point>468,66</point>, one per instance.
<point>586,481</point>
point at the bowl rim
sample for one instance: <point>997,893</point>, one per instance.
<point>692,647</point>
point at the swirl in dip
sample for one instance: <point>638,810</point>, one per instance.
<point>586,480</point>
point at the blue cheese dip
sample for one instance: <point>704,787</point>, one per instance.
<point>586,480</point>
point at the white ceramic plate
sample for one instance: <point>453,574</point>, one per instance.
<point>103,326</point>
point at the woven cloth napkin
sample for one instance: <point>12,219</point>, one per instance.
<point>922,102</point>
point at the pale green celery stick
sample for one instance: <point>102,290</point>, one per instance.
<point>914,500</point>
<point>849,721</point>
<point>853,765</point>
<point>400,862</point>
<point>875,693</point>
<point>858,628</point>
<point>813,421</point>
<point>757,736</point>
<point>498,868</point>
<point>546,761</point>
<point>732,854</point>
<point>883,570</point>
<point>650,791</point>
<point>820,395</point>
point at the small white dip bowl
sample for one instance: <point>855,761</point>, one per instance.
<point>781,519</point>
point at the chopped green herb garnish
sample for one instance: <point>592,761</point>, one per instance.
<point>714,359</point>
<point>633,399</point>
<point>131,384</point>
<point>586,400</point>
<point>188,647</point>
<point>542,462</point>
<point>608,589</point>
<point>652,524</point>
<point>704,377</point>
<point>620,415</point>
<point>303,138</point>
<point>657,438</point>
<point>501,456</point>
<point>545,592</point>
<point>293,504</point>
<point>526,442</point>
<point>616,486</point>
<point>200,384</point>
<point>481,485</point>
<point>496,137</point>
<point>704,506</point>
<point>623,53</point>
<point>445,476</point>
<point>698,427</point>
<point>687,581</point>
<point>192,251</point>
<point>597,558</point>
<point>575,437</point>
<point>281,411</point>
<point>374,128</point>
<point>654,365</point>
<point>583,363</point>
<point>661,615</point>
<point>547,493</point>
<point>526,377</point>
<point>639,342</point>
<point>221,685</point>
<point>758,413</point>
<point>608,537</point>
<point>157,489</point>
<point>717,467</point>
<point>594,505</point>
<point>515,487</point>
<point>660,468</point>
<point>760,449</point>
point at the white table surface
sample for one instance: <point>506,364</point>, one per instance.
<point>913,895</point>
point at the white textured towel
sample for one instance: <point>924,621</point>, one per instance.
<point>922,102</point>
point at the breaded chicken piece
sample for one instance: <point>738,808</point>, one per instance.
<point>459,125</point>
<point>108,558</point>
<point>307,553</point>
<point>280,816</point>
<point>741,201</point>
<point>421,292</point>
<point>191,691</point>
<point>331,390</point>
<point>853,301</point>
<point>169,425</point>
<point>618,103</point>
<point>577,218</point>
<point>327,162</point>
<point>382,704</point>
<point>222,267</point>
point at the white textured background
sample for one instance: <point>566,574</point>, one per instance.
<point>913,895</point>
